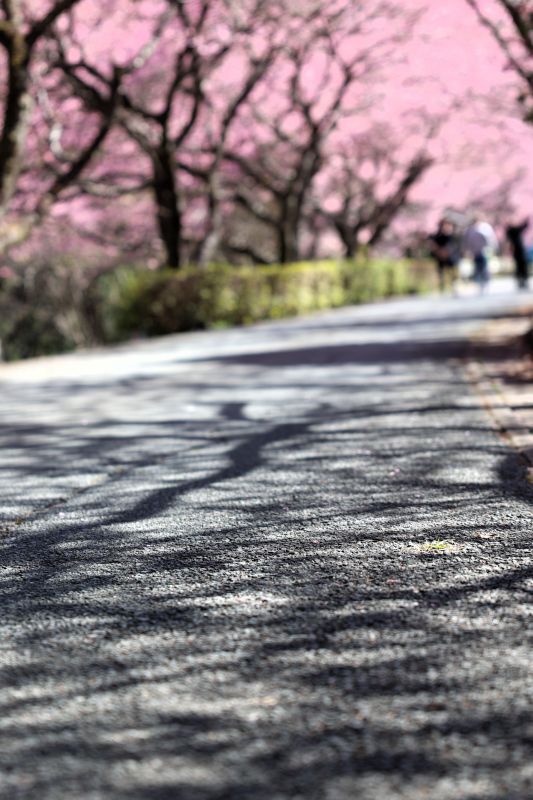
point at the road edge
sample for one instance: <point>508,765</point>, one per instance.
<point>489,379</point>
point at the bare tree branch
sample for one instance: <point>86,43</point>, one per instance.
<point>68,177</point>
<point>40,27</point>
<point>523,24</point>
<point>19,49</point>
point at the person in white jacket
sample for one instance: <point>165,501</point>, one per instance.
<point>480,242</point>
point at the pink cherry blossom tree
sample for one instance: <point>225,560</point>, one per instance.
<point>511,24</point>
<point>20,36</point>
<point>27,151</point>
<point>186,131</point>
<point>367,188</point>
<point>171,93</point>
<point>285,154</point>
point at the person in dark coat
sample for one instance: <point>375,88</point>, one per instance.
<point>445,249</point>
<point>515,235</point>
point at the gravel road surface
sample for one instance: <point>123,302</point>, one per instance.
<point>288,561</point>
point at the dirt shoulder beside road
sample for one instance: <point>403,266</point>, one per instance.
<point>501,368</point>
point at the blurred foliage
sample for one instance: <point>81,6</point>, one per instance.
<point>47,307</point>
<point>151,303</point>
<point>50,308</point>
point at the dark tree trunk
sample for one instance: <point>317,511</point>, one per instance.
<point>287,232</point>
<point>16,109</point>
<point>167,202</point>
<point>287,243</point>
<point>282,247</point>
<point>350,247</point>
<point>349,236</point>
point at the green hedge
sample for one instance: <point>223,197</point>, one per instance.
<point>145,302</point>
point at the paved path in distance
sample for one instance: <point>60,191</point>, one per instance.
<point>289,561</point>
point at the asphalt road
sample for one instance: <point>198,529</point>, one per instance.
<point>288,561</point>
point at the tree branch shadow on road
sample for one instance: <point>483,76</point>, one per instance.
<point>248,605</point>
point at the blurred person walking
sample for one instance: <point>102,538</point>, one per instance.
<point>445,249</point>
<point>480,242</point>
<point>514,234</point>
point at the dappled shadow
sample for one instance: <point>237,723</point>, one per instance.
<point>368,353</point>
<point>223,583</point>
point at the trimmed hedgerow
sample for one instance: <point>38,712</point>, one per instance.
<point>151,303</point>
